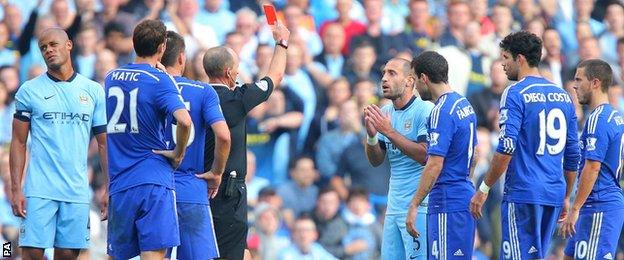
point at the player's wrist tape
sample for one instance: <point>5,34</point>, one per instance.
<point>371,140</point>
<point>484,188</point>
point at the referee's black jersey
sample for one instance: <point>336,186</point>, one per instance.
<point>235,105</point>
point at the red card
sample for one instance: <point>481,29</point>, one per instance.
<point>271,16</point>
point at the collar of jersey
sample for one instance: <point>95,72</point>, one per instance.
<point>219,85</point>
<point>73,76</point>
<point>408,104</point>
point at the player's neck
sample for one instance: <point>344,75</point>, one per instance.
<point>400,102</point>
<point>437,90</point>
<point>528,71</point>
<point>64,73</point>
<point>598,100</point>
<point>151,60</point>
<point>173,71</point>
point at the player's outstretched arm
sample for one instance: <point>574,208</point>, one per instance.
<point>428,179</point>
<point>586,184</point>
<point>498,166</point>
<point>17,162</point>
<point>103,152</point>
<point>415,150</point>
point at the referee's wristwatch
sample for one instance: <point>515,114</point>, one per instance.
<point>283,43</point>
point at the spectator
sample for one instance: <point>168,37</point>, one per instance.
<point>13,20</point>
<point>487,102</point>
<point>567,26</point>
<point>479,11</point>
<point>330,226</point>
<point>106,61</point>
<point>293,15</point>
<point>86,56</point>
<point>182,20</point>
<point>119,42</point>
<point>299,81</point>
<point>267,225</point>
<point>554,59</point>
<point>327,116</point>
<point>418,37</point>
<point>360,64</point>
<point>589,48</point>
<point>331,58</point>
<point>268,133</point>
<point>9,75</point>
<point>352,27</point>
<point>480,61</point>
<point>299,194</point>
<point>614,18</point>
<point>63,16</point>
<point>363,232</point>
<point>503,25</point>
<point>196,70</point>
<point>7,109</point>
<point>110,13</point>
<point>220,19</point>
<point>7,55</point>
<point>304,242</point>
<point>364,93</point>
<point>247,26</point>
<point>254,183</point>
<point>332,143</point>
<point>458,18</point>
<point>385,45</point>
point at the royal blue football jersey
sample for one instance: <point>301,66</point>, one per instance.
<point>139,100</point>
<point>538,129</point>
<point>603,141</point>
<point>452,130</point>
<point>203,104</point>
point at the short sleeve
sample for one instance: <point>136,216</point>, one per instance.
<point>441,130</point>
<point>168,95</point>
<point>510,121</point>
<point>597,140</point>
<point>212,112</point>
<point>23,105</point>
<point>421,123</point>
<point>98,123</point>
<point>572,154</point>
<point>256,93</point>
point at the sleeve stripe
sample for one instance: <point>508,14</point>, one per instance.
<point>593,120</point>
<point>98,129</point>
<point>455,104</point>
<point>435,114</point>
<point>504,97</point>
<point>611,116</point>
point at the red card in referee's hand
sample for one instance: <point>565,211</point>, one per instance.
<point>271,16</point>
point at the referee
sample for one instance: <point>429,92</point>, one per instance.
<point>229,207</point>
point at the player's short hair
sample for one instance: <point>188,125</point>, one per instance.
<point>598,69</point>
<point>147,36</point>
<point>431,64</point>
<point>357,192</point>
<point>216,60</point>
<point>523,43</point>
<point>175,46</point>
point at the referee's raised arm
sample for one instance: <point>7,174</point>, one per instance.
<point>277,67</point>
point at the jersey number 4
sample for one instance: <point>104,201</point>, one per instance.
<point>547,127</point>
<point>114,127</point>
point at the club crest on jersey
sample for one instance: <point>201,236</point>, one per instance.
<point>433,138</point>
<point>591,144</point>
<point>408,125</point>
<point>83,99</point>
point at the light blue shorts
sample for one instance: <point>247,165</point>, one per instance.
<point>398,244</point>
<point>52,223</point>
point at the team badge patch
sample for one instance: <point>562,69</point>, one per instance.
<point>83,99</point>
<point>408,125</point>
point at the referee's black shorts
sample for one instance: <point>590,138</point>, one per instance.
<point>230,220</point>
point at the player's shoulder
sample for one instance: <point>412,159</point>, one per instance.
<point>387,108</point>
<point>602,116</point>
<point>31,84</point>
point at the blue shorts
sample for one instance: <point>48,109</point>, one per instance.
<point>197,235</point>
<point>597,235</point>
<point>142,218</point>
<point>451,235</point>
<point>52,223</point>
<point>527,230</point>
<point>397,243</point>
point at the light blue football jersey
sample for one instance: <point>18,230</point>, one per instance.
<point>411,122</point>
<point>62,116</point>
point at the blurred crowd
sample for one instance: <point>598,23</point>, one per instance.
<point>309,183</point>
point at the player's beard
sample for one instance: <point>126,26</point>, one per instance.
<point>424,92</point>
<point>584,97</point>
